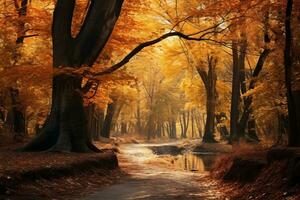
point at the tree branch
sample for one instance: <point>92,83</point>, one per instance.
<point>141,46</point>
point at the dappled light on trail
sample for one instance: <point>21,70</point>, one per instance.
<point>152,176</point>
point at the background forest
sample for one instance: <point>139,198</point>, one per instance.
<point>222,78</point>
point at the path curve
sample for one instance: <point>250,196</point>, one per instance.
<point>151,179</point>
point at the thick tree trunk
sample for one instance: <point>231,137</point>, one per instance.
<point>89,113</point>
<point>65,128</point>
<point>210,120</point>
<point>293,95</point>
<point>210,79</point>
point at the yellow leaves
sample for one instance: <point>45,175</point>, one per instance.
<point>194,91</point>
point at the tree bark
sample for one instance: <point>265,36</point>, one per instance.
<point>210,79</point>
<point>66,128</point>
<point>248,100</point>
<point>293,97</point>
<point>222,127</point>
<point>235,96</point>
<point>15,117</point>
<point>110,111</point>
<point>184,122</point>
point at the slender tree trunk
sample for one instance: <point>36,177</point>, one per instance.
<point>163,133</point>
<point>181,126</point>
<point>184,123</point>
<point>173,131</point>
<point>15,117</point>
<point>150,126</point>
<point>138,119</point>
<point>222,127</point>
<point>100,124</point>
<point>123,128</point>
<point>193,124</point>
<point>235,96</point>
<point>248,100</point>
<point>110,112</point>
<point>199,125</point>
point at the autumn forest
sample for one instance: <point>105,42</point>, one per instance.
<point>150,99</point>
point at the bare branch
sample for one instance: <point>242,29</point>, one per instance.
<point>141,46</point>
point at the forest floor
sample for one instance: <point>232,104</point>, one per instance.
<point>252,172</point>
<point>166,170</point>
<point>53,175</point>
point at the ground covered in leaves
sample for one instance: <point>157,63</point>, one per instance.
<point>258,174</point>
<point>53,175</point>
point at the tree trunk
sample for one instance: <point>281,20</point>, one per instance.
<point>15,117</point>
<point>210,79</point>
<point>252,130</point>
<point>193,125</point>
<point>235,96</point>
<point>198,123</point>
<point>123,128</point>
<point>99,124</point>
<point>222,127</point>
<point>293,97</point>
<point>65,129</point>
<point>110,111</point>
<point>89,113</point>
<point>138,119</point>
<point>150,126</point>
<point>248,100</point>
<point>173,131</point>
<point>184,123</point>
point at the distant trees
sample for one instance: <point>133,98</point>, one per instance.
<point>108,120</point>
<point>244,36</point>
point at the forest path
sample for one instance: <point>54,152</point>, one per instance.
<point>157,177</point>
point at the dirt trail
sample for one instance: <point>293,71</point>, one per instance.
<point>151,177</point>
